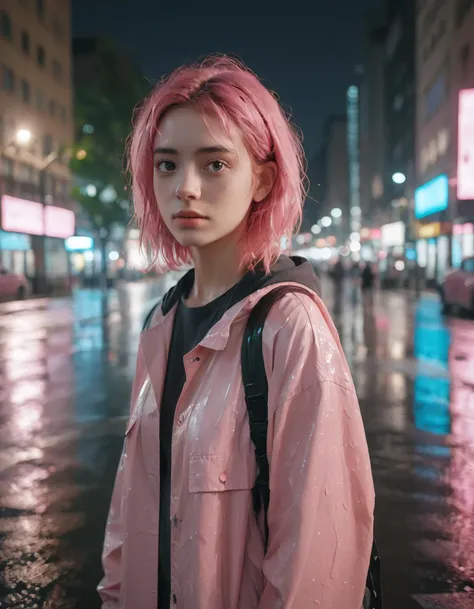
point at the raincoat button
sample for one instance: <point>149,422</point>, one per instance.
<point>223,477</point>
<point>197,359</point>
<point>175,521</point>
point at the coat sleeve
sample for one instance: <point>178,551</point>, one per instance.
<point>322,499</point>
<point>110,586</point>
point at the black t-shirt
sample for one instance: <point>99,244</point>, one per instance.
<point>190,326</point>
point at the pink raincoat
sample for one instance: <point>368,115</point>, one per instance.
<point>322,497</point>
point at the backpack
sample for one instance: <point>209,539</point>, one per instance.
<point>256,399</point>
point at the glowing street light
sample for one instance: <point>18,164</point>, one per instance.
<point>23,137</point>
<point>315,229</point>
<point>326,221</point>
<point>81,155</point>
<point>399,178</point>
<point>336,212</point>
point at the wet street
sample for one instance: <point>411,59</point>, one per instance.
<point>65,377</point>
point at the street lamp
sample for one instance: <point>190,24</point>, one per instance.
<point>336,212</point>
<point>399,178</point>
<point>326,221</point>
<point>22,137</point>
<point>315,229</point>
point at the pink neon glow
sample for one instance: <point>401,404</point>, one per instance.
<point>58,222</point>
<point>466,145</point>
<point>21,216</point>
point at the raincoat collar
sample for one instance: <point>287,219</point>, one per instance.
<point>217,337</point>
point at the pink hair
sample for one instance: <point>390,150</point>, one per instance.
<point>223,87</point>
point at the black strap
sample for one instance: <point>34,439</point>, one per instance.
<point>149,317</point>
<point>256,398</point>
<point>256,393</point>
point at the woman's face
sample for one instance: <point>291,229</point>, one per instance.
<point>204,180</point>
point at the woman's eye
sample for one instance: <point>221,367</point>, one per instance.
<point>216,166</point>
<point>166,166</point>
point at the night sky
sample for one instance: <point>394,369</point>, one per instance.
<point>307,55</point>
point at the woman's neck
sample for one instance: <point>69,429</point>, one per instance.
<point>216,270</point>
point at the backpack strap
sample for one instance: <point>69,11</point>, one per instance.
<point>255,383</point>
<point>256,393</point>
<point>149,317</point>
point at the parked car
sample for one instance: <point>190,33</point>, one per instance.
<point>13,285</point>
<point>457,289</point>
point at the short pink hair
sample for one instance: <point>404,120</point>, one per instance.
<point>224,88</point>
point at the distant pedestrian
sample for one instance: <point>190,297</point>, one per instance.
<point>367,282</point>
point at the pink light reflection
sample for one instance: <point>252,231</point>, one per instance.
<point>465,182</point>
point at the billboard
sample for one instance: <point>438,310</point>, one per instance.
<point>33,218</point>
<point>466,144</point>
<point>20,216</point>
<point>432,197</point>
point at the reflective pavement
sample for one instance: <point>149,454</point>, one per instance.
<point>65,377</point>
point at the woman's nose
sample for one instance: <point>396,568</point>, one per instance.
<point>189,187</point>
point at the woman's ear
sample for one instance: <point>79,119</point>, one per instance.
<point>264,180</point>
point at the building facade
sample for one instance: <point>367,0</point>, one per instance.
<point>445,67</point>
<point>36,133</point>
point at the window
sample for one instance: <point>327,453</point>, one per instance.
<point>25,172</point>
<point>8,166</point>
<point>57,71</point>
<point>52,107</point>
<point>435,95</point>
<point>25,42</point>
<point>5,25</point>
<point>39,100</point>
<point>8,79</point>
<point>40,9</point>
<point>40,55</point>
<point>47,145</point>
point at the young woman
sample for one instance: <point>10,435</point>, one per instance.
<point>217,181</point>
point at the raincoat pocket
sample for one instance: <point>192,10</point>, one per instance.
<point>212,473</point>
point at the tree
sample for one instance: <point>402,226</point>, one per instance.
<point>108,85</point>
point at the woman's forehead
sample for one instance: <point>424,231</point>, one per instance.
<point>185,129</point>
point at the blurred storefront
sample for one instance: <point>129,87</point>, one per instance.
<point>463,227</point>
<point>16,254</point>
<point>81,257</point>
<point>391,255</point>
<point>433,229</point>
<point>37,231</point>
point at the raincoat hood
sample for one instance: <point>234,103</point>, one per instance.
<point>294,269</point>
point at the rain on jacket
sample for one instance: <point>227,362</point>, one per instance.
<point>322,497</point>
